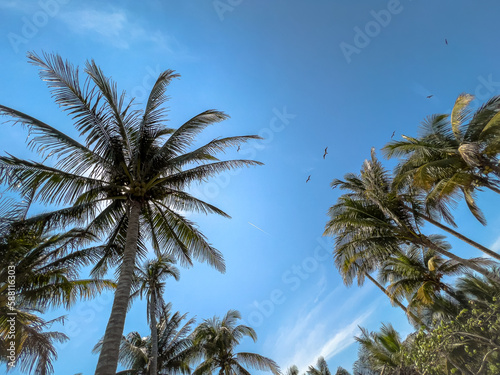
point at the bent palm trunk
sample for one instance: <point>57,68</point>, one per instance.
<point>108,359</point>
<point>403,307</point>
<point>478,246</point>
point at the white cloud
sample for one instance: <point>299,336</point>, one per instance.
<point>315,331</point>
<point>496,245</point>
<point>115,27</point>
<point>107,24</point>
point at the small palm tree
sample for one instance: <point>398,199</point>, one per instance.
<point>216,340</point>
<point>150,279</point>
<point>175,347</point>
<point>320,369</point>
<point>292,370</point>
<point>45,272</point>
<point>342,371</point>
<point>383,351</point>
<point>127,181</point>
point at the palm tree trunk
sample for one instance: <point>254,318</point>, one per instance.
<point>108,359</point>
<point>154,335</point>
<point>403,307</point>
<point>460,236</point>
<point>428,243</point>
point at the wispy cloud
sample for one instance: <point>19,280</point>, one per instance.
<point>315,331</point>
<point>495,246</point>
<point>113,26</point>
<point>345,337</point>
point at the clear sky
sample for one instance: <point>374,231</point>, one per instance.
<point>305,75</point>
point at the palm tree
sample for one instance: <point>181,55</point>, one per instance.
<point>453,156</point>
<point>150,278</point>
<point>417,274</point>
<point>292,370</point>
<point>175,347</point>
<point>480,289</point>
<point>320,369</point>
<point>384,351</point>
<point>342,371</point>
<point>126,181</point>
<point>372,220</point>
<point>34,344</point>
<point>44,271</point>
<point>217,338</point>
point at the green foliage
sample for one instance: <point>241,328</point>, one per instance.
<point>472,340</point>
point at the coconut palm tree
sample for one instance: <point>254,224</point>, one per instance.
<point>480,289</point>
<point>342,371</point>
<point>417,274</point>
<point>34,349</point>
<point>453,156</point>
<point>217,339</point>
<point>127,180</point>
<point>373,220</point>
<point>175,347</point>
<point>151,283</point>
<point>320,369</point>
<point>292,370</point>
<point>44,274</point>
<point>384,351</point>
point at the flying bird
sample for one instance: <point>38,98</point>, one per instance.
<point>429,96</point>
<point>326,152</point>
<point>308,178</point>
<point>394,132</point>
<point>446,41</point>
<point>238,150</point>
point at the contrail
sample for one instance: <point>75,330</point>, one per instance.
<point>253,225</point>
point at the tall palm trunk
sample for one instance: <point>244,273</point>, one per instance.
<point>154,335</point>
<point>108,359</point>
<point>460,236</point>
<point>424,241</point>
<point>403,307</point>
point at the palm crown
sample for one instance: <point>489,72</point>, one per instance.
<point>217,338</point>
<point>127,180</point>
<point>453,156</point>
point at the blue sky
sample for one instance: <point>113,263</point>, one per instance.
<point>305,76</point>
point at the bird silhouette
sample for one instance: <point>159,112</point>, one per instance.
<point>429,96</point>
<point>238,150</point>
<point>326,152</point>
<point>394,132</point>
<point>446,41</point>
<point>308,178</point>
